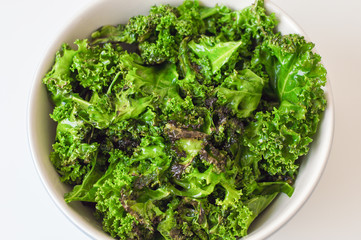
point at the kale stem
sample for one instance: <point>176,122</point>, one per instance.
<point>80,101</point>
<point>114,80</point>
<point>207,12</point>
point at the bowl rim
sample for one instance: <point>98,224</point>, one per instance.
<point>296,206</point>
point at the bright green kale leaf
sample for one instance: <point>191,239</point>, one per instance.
<point>72,153</point>
<point>103,111</point>
<point>296,77</point>
<point>189,22</point>
<point>218,53</point>
<point>86,190</point>
<point>251,24</point>
<point>190,146</point>
<point>189,81</point>
<point>59,80</point>
<point>96,66</point>
<point>241,92</point>
<point>158,82</point>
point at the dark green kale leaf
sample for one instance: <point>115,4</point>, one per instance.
<point>157,34</point>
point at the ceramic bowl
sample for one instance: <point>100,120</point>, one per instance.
<point>41,129</point>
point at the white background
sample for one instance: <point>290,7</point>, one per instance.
<point>26,210</point>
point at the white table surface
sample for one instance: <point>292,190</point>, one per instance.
<point>26,210</point>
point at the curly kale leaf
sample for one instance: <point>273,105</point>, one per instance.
<point>96,66</point>
<point>157,34</point>
<point>241,92</point>
<point>158,82</point>
<point>59,79</point>
<point>199,219</point>
<point>72,151</point>
<point>296,76</point>
<point>189,81</point>
<point>108,193</point>
<point>189,22</point>
<point>218,53</point>
<point>103,111</point>
<point>140,172</point>
<point>251,24</point>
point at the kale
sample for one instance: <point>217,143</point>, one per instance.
<point>185,123</point>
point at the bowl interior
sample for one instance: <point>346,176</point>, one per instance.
<point>41,129</point>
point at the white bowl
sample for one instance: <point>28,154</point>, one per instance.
<point>41,129</point>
